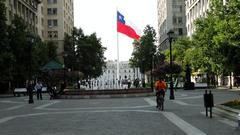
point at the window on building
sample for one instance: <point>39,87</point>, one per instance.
<point>180,8</point>
<point>52,1</point>
<point>174,20</point>
<point>42,10</point>
<point>55,34</point>
<point>15,4</point>
<point>49,34</point>
<point>54,11</point>
<point>42,33</point>
<point>50,23</point>
<point>52,34</point>
<point>180,21</point>
<point>42,22</point>
<point>55,22</point>
<point>19,7</point>
<point>49,11</point>
<point>180,31</point>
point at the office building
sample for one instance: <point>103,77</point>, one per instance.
<point>194,10</point>
<point>58,21</point>
<point>171,16</point>
<point>26,9</point>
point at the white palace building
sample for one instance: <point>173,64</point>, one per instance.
<point>109,80</point>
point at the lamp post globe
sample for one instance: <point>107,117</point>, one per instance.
<point>170,37</point>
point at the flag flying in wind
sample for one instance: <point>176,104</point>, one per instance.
<point>125,27</point>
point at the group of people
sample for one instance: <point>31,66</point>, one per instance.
<point>52,90</point>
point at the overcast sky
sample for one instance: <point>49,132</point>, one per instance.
<point>100,16</point>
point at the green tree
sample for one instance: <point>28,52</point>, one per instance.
<point>40,52</point>
<point>19,48</point>
<point>180,46</point>
<point>51,50</point>
<point>69,50</point>
<point>227,37</point>
<point>84,53</point>
<point>6,57</point>
<point>90,56</point>
<point>144,50</point>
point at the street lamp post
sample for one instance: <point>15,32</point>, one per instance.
<point>170,37</point>
<point>30,40</point>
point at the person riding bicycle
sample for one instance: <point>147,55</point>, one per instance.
<point>160,87</point>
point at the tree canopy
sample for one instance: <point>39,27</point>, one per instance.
<point>144,50</point>
<point>85,53</point>
<point>17,55</point>
<point>214,48</point>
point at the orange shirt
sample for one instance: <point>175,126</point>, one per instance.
<point>160,85</point>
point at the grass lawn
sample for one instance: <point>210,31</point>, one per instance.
<point>233,104</point>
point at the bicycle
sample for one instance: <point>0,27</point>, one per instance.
<point>160,102</point>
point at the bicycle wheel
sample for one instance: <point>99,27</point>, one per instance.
<point>161,102</point>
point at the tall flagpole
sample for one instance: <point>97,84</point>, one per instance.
<point>117,57</point>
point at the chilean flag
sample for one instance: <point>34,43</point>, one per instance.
<point>125,27</point>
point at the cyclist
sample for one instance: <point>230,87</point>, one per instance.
<point>160,87</point>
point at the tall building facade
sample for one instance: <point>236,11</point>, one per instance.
<point>58,21</point>
<point>50,19</point>
<point>26,9</point>
<point>194,10</point>
<point>171,16</point>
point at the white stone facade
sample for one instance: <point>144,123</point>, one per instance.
<point>194,10</point>
<point>109,78</point>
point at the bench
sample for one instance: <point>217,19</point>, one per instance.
<point>19,91</point>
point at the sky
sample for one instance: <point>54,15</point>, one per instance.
<point>100,16</point>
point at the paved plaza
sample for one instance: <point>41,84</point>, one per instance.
<point>115,116</point>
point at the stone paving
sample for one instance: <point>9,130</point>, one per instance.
<point>113,116</point>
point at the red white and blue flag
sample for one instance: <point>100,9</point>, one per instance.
<point>125,27</point>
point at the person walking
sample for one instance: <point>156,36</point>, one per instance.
<point>38,87</point>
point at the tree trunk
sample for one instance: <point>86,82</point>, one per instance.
<point>208,80</point>
<point>214,80</point>
<point>230,87</point>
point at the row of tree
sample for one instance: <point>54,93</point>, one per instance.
<point>82,53</point>
<point>148,58</point>
<point>15,55</point>
<point>214,48</point>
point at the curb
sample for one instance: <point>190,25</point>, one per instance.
<point>227,112</point>
<point>6,96</point>
<point>105,96</point>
